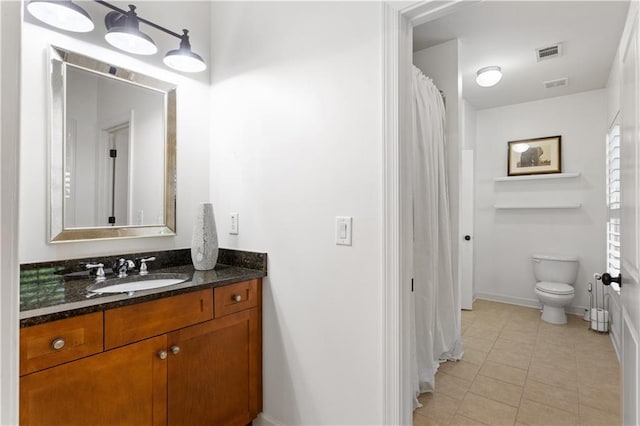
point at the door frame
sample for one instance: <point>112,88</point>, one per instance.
<point>10,39</point>
<point>399,18</point>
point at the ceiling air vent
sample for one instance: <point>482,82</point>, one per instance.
<point>549,52</point>
<point>560,82</point>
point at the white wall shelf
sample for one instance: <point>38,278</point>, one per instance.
<point>537,177</point>
<point>537,206</point>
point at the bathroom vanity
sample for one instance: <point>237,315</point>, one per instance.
<point>187,354</point>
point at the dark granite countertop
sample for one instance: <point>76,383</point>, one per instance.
<point>51,291</point>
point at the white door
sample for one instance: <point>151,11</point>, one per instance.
<point>466,229</point>
<point>629,217</point>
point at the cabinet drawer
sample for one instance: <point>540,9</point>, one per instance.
<point>137,322</point>
<point>46,345</point>
<point>235,297</point>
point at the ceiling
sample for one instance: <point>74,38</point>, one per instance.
<point>507,34</point>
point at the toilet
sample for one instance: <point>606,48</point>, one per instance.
<point>555,276</point>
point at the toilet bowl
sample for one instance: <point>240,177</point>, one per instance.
<point>555,276</point>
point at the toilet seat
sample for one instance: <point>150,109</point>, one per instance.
<point>554,288</point>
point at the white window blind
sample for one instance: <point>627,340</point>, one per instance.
<point>613,201</point>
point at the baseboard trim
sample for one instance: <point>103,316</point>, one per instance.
<point>263,420</point>
<point>529,303</point>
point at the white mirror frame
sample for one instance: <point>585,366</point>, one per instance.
<point>58,60</point>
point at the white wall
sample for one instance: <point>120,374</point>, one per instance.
<point>506,239</point>
<point>440,63</point>
<point>192,133</point>
<point>297,140</point>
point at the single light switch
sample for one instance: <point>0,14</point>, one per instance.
<point>343,230</point>
<point>233,229</point>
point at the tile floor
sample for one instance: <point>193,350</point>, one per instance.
<point>506,376</point>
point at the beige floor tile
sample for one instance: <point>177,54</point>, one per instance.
<point>512,357</point>
<point>550,374</point>
<point>452,386</point>
<point>533,414</point>
<point>566,362</point>
<point>504,373</point>
<point>476,330</point>
<point>593,416</point>
<point>519,336</point>
<point>474,356</point>
<point>497,390</point>
<point>479,343</point>
<point>521,347</point>
<point>436,408</point>
<point>559,351</point>
<point>462,369</point>
<point>596,359</point>
<point>487,411</point>
<point>603,396</point>
<point>459,420</point>
<point>553,396</point>
<point>554,376</point>
<point>420,420</point>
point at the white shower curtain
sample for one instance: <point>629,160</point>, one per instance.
<point>435,305</point>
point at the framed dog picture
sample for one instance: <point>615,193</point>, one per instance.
<point>534,156</point>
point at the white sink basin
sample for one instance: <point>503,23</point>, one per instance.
<point>137,283</point>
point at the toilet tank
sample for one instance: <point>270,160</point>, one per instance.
<point>559,269</point>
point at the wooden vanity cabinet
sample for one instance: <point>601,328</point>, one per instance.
<point>209,373</point>
<point>123,386</point>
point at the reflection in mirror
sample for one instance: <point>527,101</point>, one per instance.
<point>113,151</point>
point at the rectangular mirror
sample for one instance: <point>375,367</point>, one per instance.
<point>113,151</point>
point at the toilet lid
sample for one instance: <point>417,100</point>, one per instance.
<point>554,288</point>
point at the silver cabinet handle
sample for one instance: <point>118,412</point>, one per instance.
<point>175,349</point>
<point>237,298</point>
<point>162,354</point>
<point>57,344</point>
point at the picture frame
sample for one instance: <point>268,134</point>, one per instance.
<point>534,156</point>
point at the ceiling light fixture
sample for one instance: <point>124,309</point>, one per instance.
<point>123,30</point>
<point>62,14</point>
<point>489,76</point>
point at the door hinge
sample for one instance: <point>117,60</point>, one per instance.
<point>113,153</point>
<point>411,285</point>
<point>112,220</point>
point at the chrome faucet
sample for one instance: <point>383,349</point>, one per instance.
<point>143,264</point>
<point>122,266</point>
<point>100,275</point>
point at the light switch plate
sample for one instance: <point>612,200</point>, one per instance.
<point>233,228</point>
<point>343,230</point>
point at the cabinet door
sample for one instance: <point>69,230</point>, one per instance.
<point>214,376</point>
<point>122,386</point>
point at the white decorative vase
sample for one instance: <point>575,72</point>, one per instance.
<point>204,241</point>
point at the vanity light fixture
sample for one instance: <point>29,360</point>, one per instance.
<point>183,59</point>
<point>124,33</point>
<point>63,14</point>
<point>123,30</point>
<point>489,76</point>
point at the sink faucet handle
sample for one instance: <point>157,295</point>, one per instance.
<point>143,264</point>
<point>100,272</point>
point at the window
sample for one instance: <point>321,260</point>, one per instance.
<point>613,202</point>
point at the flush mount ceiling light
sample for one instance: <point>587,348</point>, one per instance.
<point>63,14</point>
<point>183,59</point>
<point>489,76</point>
<point>123,30</point>
<point>124,33</point>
